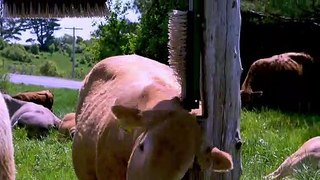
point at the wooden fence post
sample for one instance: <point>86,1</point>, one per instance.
<point>221,80</point>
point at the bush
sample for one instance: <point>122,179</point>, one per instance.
<point>26,47</point>
<point>52,48</point>
<point>16,53</point>
<point>68,50</point>
<point>80,73</point>
<point>80,47</point>
<point>4,81</point>
<point>82,61</point>
<point>49,68</point>
<point>3,44</point>
<point>86,57</point>
<point>34,49</point>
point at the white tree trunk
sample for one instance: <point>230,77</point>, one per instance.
<point>221,73</point>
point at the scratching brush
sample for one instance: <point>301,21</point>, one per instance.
<point>177,45</point>
<point>53,8</point>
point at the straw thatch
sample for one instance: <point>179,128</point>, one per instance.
<point>54,8</point>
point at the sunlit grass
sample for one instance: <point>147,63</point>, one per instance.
<point>269,137</point>
<point>49,158</point>
<point>63,62</point>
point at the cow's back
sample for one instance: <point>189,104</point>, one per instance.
<point>274,72</point>
<point>116,77</point>
<point>281,79</point>
<point>43,97</point>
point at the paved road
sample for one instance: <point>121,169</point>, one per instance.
<point>49,82</point>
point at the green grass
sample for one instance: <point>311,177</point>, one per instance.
<point>51,157</point>
<point>269,137</point>
<point>63,62</point>
<point>43,160</point>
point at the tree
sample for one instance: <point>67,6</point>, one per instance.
<point>65,39</point>
<point>44,29</point>
<point>297,9</point>
<point>153,33</point>
<point>10,29</point>
<point>63,43</point>
<point>148,38</point>
<point>152,37</point>
<point>79,39</point>
<point>144,7</point>
<point>116,36</point>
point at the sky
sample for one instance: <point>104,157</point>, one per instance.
<point>84,23</point>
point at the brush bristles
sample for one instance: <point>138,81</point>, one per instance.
<point>178,44</point>
<point>50,9</point>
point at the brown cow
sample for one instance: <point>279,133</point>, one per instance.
<point>130,124</point>
<point>67,125</point>
<point>44,98</point>
<point>7,165</point>
<point>37,119</point>
<point>308,153</point>
<point>285,81</point>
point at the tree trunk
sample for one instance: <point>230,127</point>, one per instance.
<point>221,80</point>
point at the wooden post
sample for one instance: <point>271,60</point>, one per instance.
<point>221,80</point>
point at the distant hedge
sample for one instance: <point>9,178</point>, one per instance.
<point>16,52</point>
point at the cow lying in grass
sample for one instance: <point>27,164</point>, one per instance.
<point>7,166</point>
<point>308,154</point>
<point>67,125</point>
<point>130,125</point>
<point>37,119</point>
<point>44,97</point>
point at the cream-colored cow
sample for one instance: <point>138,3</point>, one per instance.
<point>7,166</point>
<point>308,153</point>
<point>130,125</point>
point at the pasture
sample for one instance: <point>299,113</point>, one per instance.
<point>50,158</point>
<point>269,137</point>
<point>63,64</point>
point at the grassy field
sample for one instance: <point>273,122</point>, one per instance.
<point>50,158</point>
<point>63,62</point>
<point>269,137</point>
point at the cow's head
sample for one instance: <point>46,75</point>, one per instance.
<point>167,147</point>
<point>248,98</point>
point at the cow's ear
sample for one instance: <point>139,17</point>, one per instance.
<point>216,160</point>
<point>221,161</point>
<point>128,118</point>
